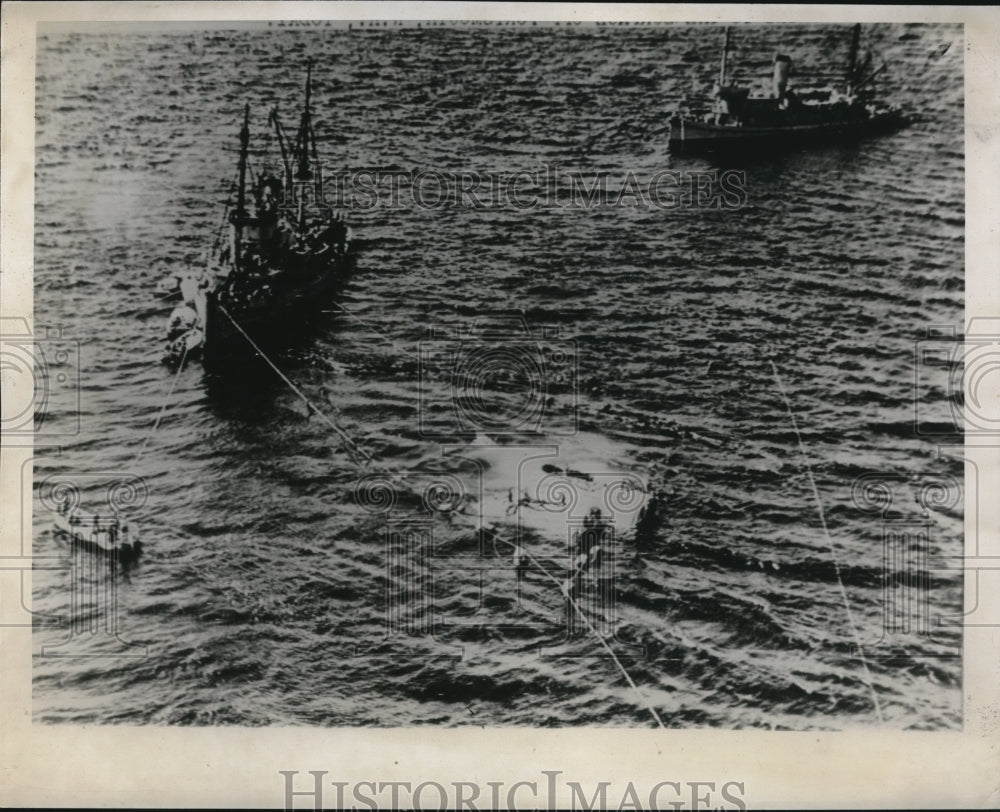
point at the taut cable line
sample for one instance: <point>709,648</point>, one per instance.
<point>367,458</point>
<point>829,542</point>
<point>163,408</point>
<point>565,590</point>
<point>351,444</point>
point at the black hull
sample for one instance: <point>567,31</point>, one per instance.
<point>273,324</point>
<point>699,137</point>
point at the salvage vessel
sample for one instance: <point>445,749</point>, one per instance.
<point>738,118</point>
<point>286,254</point>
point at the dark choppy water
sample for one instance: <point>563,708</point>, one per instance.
<point>261,596</point>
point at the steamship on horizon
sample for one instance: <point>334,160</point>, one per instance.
<point>738,118</point>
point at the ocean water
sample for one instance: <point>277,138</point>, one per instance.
<point>285,581</point>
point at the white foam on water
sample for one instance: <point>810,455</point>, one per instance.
<point>550,487</point>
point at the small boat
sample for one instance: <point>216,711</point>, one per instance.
<point>287,253</point>
<point>95,533</point>
<point>739,119</point>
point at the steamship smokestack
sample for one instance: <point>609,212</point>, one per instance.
<point>782,67</point>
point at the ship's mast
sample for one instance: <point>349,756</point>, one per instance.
<point>285,159</point>
<point>852,60</point>
<point>303,171</point>
<point>241,193</point>
<point>237,217</point>
<point>303,141</point>
<point>725,54</point>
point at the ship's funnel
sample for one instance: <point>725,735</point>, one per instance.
<point>782,67</point>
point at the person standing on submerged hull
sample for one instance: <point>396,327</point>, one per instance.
<point>651,516</point>
<point>588,549</point>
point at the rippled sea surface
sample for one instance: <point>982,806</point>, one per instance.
<point>266,591</point>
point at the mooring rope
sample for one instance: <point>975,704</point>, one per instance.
<point>603,641</point>
<point>829,541</point>
<point>163,408</point>
<point>528,555</point>
<point>351,444</point>
<point>583,616</point>
<point>368,458</point>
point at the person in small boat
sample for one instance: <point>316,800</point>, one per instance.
<point>182,320</point>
